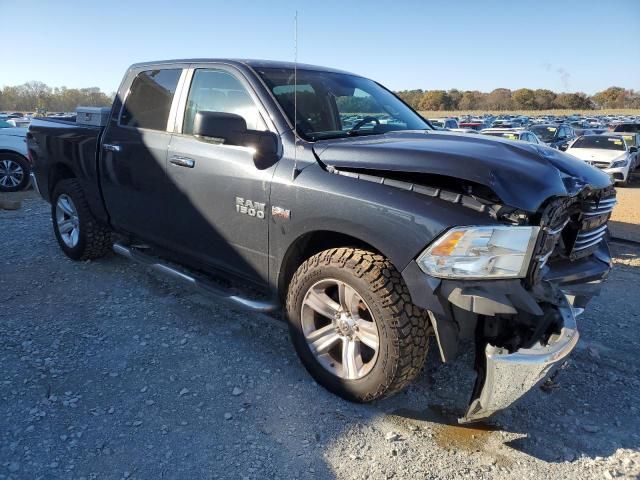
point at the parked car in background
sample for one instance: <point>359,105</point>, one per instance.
<point>473,124</point>
<point>444,122</point>
<point>556,136</point>
<point>632,140</point>
<point>631,127</point>
<point>511,134</point>
<point>609,153</point>
<point>15,168</point>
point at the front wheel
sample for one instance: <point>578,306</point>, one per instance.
<point>79,234</point>
<point>353,325</point>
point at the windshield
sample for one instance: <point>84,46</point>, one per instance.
<point>4,124</point>
<point>334,105</point>
<point>599,141</point>
<point>544,133</point>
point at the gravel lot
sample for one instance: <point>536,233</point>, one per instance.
<point>111,372</point>
<point>625,222</point>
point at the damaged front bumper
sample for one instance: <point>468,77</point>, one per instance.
<point>509,376</point>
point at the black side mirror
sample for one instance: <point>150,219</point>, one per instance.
<point>227,128</point>
<point>266,146</point>
<point>563,147</point>
<point>231,129</point>
<point>633,149</point>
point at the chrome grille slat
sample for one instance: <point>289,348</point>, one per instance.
<point>589,234</point>
<point>583,247</point>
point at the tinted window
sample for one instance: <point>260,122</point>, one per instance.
<point>149,99</point>
<point>219,91</point>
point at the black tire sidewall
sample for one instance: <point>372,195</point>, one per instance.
<point>26,168</point>
<point>383,371</point>
<point>68,187</point>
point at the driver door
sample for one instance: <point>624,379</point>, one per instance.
<point>219,213</point>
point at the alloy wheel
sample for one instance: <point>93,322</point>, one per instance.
<point>340,329</point>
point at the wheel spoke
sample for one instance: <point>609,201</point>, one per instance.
<point>321,303</point>
<point>350,358</point>
<point>65,226</point>
<point>368,334</point>
<point>323,339</point>
<point>348,298</point>
<point>64,205</point>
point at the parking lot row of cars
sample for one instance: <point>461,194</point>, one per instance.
<point>609,143</point>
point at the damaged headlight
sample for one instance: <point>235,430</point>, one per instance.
<point>480,252</point>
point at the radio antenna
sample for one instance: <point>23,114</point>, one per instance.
<point>295,97</point>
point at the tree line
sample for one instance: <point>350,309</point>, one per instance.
<point>521,99</point>
<point>37,96</point>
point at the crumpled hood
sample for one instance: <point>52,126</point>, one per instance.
<point>522,175</point>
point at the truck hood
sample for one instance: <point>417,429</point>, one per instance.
<point>522,175</point>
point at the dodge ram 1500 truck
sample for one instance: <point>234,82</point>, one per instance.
<point>269,183</point>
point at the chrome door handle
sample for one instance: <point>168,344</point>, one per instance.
<point>111,147</point>
<point>182,161</point>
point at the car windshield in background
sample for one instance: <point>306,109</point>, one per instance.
<point>509,135</point>
<point>630,140</point>
<point>599,141</point>
<point>4,124</point>
<point>544,133</point>
<point>335,105</point>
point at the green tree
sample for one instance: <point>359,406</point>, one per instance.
<point>524,98</point>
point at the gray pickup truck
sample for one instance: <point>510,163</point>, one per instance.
<point>269,184</point>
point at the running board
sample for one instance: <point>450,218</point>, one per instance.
<point>202,285</point>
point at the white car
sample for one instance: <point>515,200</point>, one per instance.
<point>446,123</point>
<point>14,165</point>
<point>512,134</point>
<point>609,153</point>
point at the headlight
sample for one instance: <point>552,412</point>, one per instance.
<point>480,252</point>
<point>619,163</point>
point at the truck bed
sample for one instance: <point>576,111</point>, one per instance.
<point>62,148</point>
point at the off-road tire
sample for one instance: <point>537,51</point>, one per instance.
<point>402,326</point>
<point>95,239</point>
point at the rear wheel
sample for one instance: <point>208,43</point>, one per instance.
<point>14,172</point>
<point>79,234</point>
<point>353,325</point>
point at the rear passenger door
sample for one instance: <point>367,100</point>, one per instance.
<point>134,150</point>
<point>212,182</point>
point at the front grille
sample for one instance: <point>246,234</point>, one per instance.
<point>601,165</point>
<point>572,228</point>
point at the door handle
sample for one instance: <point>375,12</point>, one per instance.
<point>111,147</point>
<point>182,161</point>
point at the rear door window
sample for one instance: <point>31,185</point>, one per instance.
<point>149,100</point>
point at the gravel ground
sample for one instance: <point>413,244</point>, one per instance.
<point>625,222</point>
<point>111,372</point>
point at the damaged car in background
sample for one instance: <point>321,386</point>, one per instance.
<point>374,234</point>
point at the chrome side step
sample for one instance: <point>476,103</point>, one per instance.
<point>203,285</point>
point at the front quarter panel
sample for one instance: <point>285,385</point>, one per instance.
<point>397,223</point>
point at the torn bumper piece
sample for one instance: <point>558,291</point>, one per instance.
<point>509,376</point>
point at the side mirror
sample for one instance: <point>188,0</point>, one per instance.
<point>227,128</point>
<point>231,129</point>
<point>633,149</point>
<point>563,147</point>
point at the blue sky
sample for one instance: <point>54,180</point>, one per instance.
<point>564,46</point>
